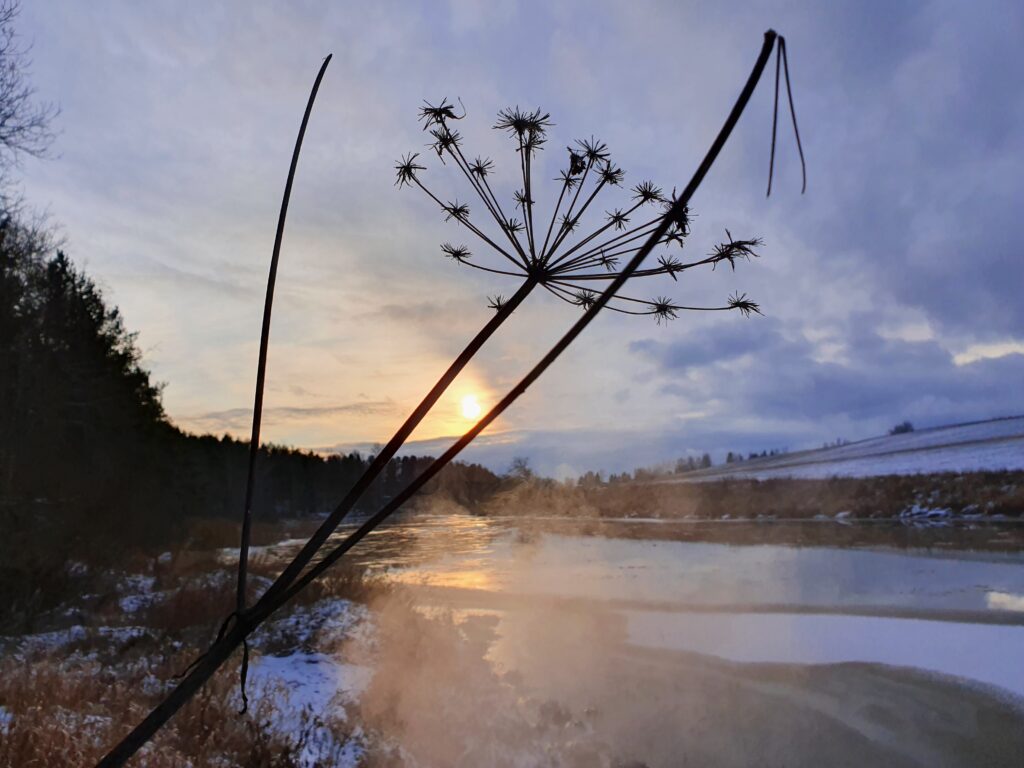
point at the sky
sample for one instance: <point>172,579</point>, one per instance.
<point>891,290</point>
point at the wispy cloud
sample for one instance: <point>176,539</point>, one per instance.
<point>239,419</point>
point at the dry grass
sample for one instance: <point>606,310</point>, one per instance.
<point>866,497</point>
<point>206,533</point>
<point>66,711</point>
<point>194,604</point>
<point>345,581</point>
<point>63,705</point>
<point>539,496</point>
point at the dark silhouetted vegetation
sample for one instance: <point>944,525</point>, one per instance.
<point>980,496</point>
<point>90,464</point>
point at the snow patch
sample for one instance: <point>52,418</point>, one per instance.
<point>1005,601</point>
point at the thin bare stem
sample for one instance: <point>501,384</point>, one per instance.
<point>597,232</point>
<point>572,203</point>
<point>566,231</point>
<point>524,163</point>
<point>466,223</point>
<point>554,215</point>
<point>492,205</point>
<point>628,236</point>
<point>261,367</point>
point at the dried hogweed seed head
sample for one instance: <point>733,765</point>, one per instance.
<point>457,252</point>
<point>568,180</point>
<point>496,302</point>
<point>663,310</point>
<point>675,235</point>
<point>584,298</point>
<point>680,218</point>
<point>646,192</point>
<point>577,162</point>
<point>671,265</point>
<point>406,168</point>
<point>522,124</point>
<point>570,267</point>
<point>481,167</point>
<point>735,249</point>
<point>608,262</point>
<point>743,304</point>
<point>612,175</point>
<point>432,115</point>
<point>456,210</point>
<point>445,140</point>
<point>532,142</point>
<point>617,219</point>
<point>521,199</point>
<point>595,151</point>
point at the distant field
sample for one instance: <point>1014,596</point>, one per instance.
<point>979,446</point>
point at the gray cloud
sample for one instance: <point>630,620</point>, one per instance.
<point>235,419</point>
<point>876,382</point>
<point>176,131</point>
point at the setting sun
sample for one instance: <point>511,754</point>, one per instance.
<point>470,407</point>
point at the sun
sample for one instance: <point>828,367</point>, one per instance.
<point>470,407</point>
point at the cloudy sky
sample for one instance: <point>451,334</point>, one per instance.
<point>890,291</point>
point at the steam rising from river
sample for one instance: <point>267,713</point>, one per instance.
<point>538,649</point>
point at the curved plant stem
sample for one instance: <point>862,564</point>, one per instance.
<point>261,368</point>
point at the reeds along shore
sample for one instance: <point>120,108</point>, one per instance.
<point>978,496</point>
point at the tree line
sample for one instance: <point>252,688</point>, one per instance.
<point>86,449</point>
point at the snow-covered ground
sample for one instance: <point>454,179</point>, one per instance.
<point>297,663</point>
<point>986,445</point>
<point>313,684</point>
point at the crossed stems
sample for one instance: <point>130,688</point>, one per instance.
<point>292,579</point>
<point>555,273</point>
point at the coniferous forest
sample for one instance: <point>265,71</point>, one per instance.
<point>89,458</point>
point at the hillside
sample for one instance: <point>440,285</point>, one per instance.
<point>972,447</point>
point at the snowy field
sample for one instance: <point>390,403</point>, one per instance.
<point>986,445</point>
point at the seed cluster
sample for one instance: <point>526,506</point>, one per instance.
<point>566,261</point>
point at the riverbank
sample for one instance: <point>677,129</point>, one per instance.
<point>550,641</point>
<point>915,499</point>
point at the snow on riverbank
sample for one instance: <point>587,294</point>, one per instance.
<point>316,685</point>
<point>310,690</point>
<point>297,666</point>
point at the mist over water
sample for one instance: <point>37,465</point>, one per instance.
<point>509,642</point>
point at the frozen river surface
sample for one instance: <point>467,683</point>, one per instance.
<point>936,608</point>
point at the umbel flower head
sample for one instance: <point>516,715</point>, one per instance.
<point>557,250</point>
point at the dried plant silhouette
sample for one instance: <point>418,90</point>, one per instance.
<point>261,373</point>
<point>566,271</point>
<point>565,263</point>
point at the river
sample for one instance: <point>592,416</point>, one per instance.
<point>947,599</point>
